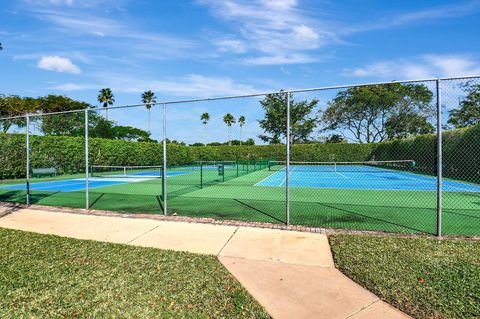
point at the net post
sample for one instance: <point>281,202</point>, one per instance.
<point>201,174</point>
<point>87,195</point>
<point>27,175</point>
<point>439,159</point>
<point>236,164</point>
<point>164,176</point>
<point>287,167</point>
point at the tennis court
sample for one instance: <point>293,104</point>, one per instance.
<point>368,176</point>
<point>372,195</point>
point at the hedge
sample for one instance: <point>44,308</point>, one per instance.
<point>66,154</point>
<point>461,153</point>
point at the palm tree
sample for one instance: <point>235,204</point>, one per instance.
<point>148,98</point>
<point>205,117</point>
<point>229,120</point>
<point>241,122</point>
<point>106,98</point>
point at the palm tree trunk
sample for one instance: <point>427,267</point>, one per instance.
<point>240,136</point>
<point>205,135</point>
<point>148,120</point>
<point>229,136</point>
<point>106,114</point>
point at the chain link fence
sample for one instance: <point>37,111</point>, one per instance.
<point>395,157</point>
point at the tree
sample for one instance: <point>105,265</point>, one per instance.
<point>128,133</point>
<point>229,120</point>
<point>248,141</point>
<point>148,98</point>
<point>468,112</point>
<point>70,124</point>
<point>241,122</point>
<point>375,113</point>
<point>106,98</point>
<point>205,117</point>
<point>335,139</point>
<point>302,122</point>
<point>406,125</point>
<point>197,144</point>
<point>174,142</point>
<point>14,105</point>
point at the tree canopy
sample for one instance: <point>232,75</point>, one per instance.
<point>274,125</point>
<point>468,112</point>
<point>374,113</point>
<point>66,124</point>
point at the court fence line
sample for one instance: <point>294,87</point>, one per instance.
<point>287,94</point>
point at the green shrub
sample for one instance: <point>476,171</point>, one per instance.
<point>67,154</point>
<point>461,150</point>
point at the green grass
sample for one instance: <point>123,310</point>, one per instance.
<point>425,278</point>
<point>48,276</point>
<point>237,198</point>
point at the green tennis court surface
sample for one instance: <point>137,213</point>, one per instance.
<point>252,194</point>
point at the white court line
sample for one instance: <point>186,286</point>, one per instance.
<point>45,187</point>
<point>431,180</point>
<point>345,176</point>
<point>269,176</point>
<point>406,175</point>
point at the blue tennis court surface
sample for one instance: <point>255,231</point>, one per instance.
<point>73,185</point>
<point>69,185</point>
<point>355,177</point>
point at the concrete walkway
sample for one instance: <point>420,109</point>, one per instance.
<point>290,273</point>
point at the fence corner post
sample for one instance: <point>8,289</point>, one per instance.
<point>27,175</point>
<point>87,194</point>
<point>287,166</point>
<point>439,159</point>
<point>164,162</point>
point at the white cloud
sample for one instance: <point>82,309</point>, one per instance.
<point>231,45</point>
<point>459,9</point>
<point>276,29</point>
<point>193,85</point>
<point>116,34</point>
<point>279,4</point>
<point>72,87</point>
<point>189,86</point>
<point>67,2</point>
<point>305,37</point>
<point>280,59</point>
<point>58,64</point>
<point>426,66</point>
<point>73,3</point>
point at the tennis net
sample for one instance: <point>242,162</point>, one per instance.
<point>108,171</point>
<point>366,166</point>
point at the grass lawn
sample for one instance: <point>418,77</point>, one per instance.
<point>423,277</point>
<point>50,276</point>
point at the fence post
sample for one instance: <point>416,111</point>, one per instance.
<point>164,175</point>
<point>287,166</point>
<point>201,174</point>
<point>87,194</point>
<point>439,159</point>
<point>27,175</point>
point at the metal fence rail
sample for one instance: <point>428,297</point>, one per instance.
<point>407,166</point>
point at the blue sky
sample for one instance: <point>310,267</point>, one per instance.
<point>199,48</point>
